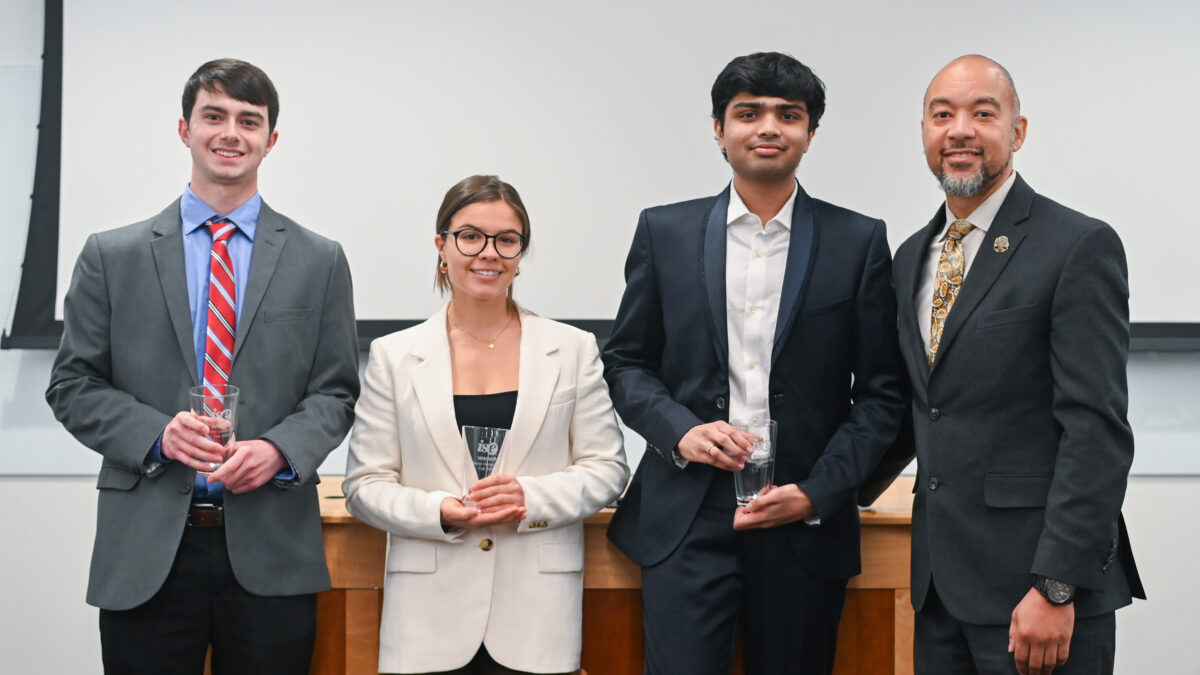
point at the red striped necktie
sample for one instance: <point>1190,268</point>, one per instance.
<point>222,307</point>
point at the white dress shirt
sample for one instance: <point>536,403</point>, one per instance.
<point>981,218</point>
<point>755,261</point>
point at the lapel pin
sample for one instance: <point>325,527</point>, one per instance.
<point>1001,244</point>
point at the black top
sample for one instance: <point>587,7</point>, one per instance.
<point>485,410</point>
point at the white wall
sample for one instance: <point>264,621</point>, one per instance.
<point>47,522</point>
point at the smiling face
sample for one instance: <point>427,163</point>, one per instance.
<point>486,276</point>
<point>971,127</point>
<point>764,137</point>
<point>228,140</point>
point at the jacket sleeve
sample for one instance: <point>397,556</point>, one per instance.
<point>81,392</point>
<point>1089,348</point>
<point>374,493</point>
<point>324,414</point>
<point>633,355</point>
<point>598,472</point>
<point>878,402</point>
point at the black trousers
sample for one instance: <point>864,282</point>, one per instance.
<point>943,645</point>
<point>718,580</point>
<point>201,603</point>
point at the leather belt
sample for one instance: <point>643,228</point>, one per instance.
<point>206,515</point>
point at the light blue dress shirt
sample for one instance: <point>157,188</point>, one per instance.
<point>197,254</point>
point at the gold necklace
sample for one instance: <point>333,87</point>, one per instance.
<point>490,343</point>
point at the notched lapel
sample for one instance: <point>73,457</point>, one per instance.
<point>433,385</point>
<point>802,247</point>
<point>167,247</point>
<point>988,263</point>
<point>915,318</point>
<point>269,240</point>
<point>713,269</point>
<point>536,381</point>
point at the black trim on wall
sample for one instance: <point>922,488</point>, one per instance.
<point>33,318</point>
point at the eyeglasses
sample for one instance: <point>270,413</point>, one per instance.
<point>471,242</point>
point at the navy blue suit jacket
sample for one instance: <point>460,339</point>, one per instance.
<point>834,388</point>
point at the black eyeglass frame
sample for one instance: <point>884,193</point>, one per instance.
<point>487,238</point>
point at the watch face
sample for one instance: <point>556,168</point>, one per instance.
<point>1058,592</point>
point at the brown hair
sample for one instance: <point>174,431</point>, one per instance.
<point>240,80</point>
<point>472,190</point>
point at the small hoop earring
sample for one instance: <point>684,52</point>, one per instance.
<point>518,272</point>
<point>442,266</point>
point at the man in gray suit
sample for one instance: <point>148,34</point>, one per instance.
<point>182,560</point>
<point>1014,326</point>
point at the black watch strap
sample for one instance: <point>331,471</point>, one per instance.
<point>1056,592</point>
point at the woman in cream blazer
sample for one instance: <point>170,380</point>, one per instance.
<point>503,583</point>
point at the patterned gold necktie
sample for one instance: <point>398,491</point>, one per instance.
<point>950,269</point>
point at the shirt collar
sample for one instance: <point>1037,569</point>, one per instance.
<point>193,212</point>
<point>985,213</point>
<point>737,209</point>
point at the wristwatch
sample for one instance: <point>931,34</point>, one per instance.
<point>1057,592</point>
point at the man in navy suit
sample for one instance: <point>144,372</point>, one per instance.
<point>758,302</point>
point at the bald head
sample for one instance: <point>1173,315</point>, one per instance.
<point>976,64</point>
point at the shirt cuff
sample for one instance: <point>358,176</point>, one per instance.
<point>154,459</point>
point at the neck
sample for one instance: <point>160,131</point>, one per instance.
<point>962,207</point>
<point>478,316</point>
<point>764,199</point>
<point>224,198</point>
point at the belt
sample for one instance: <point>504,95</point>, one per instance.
<point>206,515</point>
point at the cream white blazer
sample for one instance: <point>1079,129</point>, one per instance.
<point>517,589</point>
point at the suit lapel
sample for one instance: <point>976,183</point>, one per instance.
<point>433,384</point>
<point>802,246</point>
<point>269,239</point>
<point>914,317</point>
<point>167,247</point>
<point>537,380</point>
<point>988,263</point>
<point>713,268</point>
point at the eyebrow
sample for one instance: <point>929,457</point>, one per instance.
<point>755,105</point>
<point>218,109</point>
<point>983,100</point>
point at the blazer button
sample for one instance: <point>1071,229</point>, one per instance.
<point>486,544</point>
<point>934,483</point>
<point>185,487</point>
<point>720,403</point>
<point>935,414</point>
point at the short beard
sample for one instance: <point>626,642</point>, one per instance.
<point>970,186</point>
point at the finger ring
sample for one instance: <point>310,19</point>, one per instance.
<point>710,450</point>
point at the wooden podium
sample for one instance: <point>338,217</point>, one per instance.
<point>875,635</point>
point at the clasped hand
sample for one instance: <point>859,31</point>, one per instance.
<point>244,466</point>
<point>495,500</point>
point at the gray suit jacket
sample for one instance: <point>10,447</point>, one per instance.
<point>123,370</point>
<point>1023,447</point>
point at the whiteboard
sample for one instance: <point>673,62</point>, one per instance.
<point>596,111</point>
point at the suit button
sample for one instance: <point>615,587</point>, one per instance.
<point>185,487</point>
<point>486,544</point>
<point>934,483</point>
<point>935,414</point>
<point>720,403</point>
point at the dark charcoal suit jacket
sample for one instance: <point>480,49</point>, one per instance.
<point>1022,443</point>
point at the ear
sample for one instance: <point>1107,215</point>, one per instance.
<point>183,132</point>
<point>439,241</point>
<point>1019,133</point>
<point>271,142</point>
<point>719,133</point>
